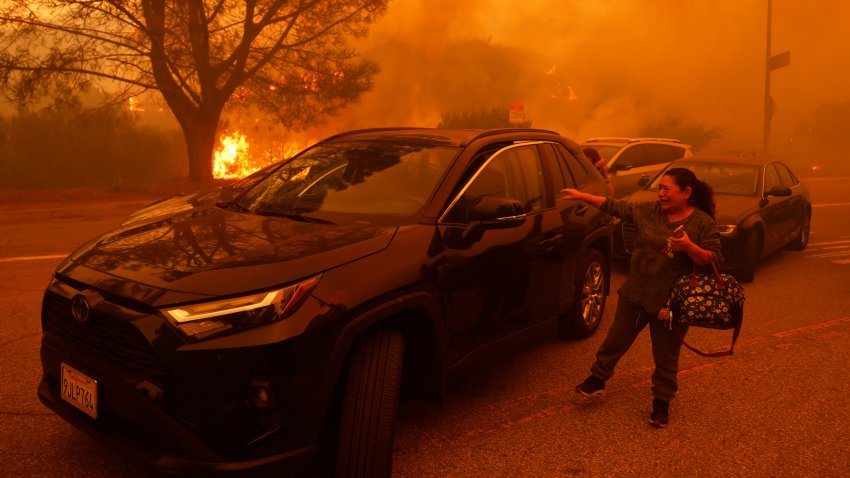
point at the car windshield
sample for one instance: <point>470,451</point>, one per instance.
<point>724,178</point>
<point>361,178</point>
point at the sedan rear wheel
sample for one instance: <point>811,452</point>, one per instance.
<point>750,256</point>
<point>584,316</point>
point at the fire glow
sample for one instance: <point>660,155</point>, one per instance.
<point>233,159</point>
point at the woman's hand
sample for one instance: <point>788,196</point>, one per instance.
<point>684,244</point>
<point>569,193</point>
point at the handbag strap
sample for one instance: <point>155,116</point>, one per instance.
<point>720,282</point>
<point>726,353</point>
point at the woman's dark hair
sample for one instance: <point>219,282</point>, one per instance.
<point>702,194</point>
<point>592,154</point>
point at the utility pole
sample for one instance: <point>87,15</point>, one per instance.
<point>771,63</point>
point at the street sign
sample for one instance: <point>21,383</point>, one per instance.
<point>516,114</point>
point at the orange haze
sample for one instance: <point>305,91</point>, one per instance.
<point>606,68</point>
<point>629,63</point>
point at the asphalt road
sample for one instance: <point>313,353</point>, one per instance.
<point>779,407</point>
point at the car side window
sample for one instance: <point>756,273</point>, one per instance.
<point>678,153</point>
<point>771,177</point>
<point>630,158</point>
<point>785,176</point>
<point>529,178</point>
<point>657,154</point>
<point>574,166</point>
<point>514,173</point>
<point>561,177</point>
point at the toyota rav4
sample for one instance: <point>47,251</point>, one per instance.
<point>281,325</point>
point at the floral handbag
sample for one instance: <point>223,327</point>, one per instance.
<point>705,300</point>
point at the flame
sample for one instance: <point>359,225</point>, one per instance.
<point>134,104</point>
<point>233,158</point>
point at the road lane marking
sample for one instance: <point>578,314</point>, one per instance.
<point>828,243</point>
<point>32,258</point>
<point>837,204</point>
<point>830,250</point>
<point>830,254</point>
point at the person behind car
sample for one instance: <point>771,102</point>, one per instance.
<point>682,200</point>
<point>599,163</point>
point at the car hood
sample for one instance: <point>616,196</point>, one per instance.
<point>178,203</point>
<point>729,209</point>
<point>211,252</point>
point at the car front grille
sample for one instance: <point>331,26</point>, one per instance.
<point>109,339</point>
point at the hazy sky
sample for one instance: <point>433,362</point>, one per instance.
<point>628,62</point>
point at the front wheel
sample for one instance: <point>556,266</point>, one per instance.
<point>584,316</point>
<point>369,406</point>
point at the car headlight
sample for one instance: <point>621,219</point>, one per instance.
<point>727,229</point>
<point>204,320</point>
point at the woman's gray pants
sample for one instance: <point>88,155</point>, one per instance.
<point>629,320</point>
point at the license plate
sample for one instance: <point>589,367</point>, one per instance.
<point>79,390</point>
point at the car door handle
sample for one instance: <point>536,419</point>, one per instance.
<point>550,242</point>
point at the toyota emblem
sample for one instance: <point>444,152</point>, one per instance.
<point>80,309</point>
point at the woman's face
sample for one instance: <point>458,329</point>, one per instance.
<point>671,197</point>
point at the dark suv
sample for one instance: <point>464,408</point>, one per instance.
<point>284,323</point>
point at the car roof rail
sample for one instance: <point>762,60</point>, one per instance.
<point>609,140</point>
<point>474,133</point>
<point>666,140</point>
<point>496,131</point>
<point>367,130</point>
<point>632,140</point>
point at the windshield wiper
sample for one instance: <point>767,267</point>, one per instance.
<point>233,206</point>
<point>295,216</point>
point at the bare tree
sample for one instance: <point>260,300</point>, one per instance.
<point>288,58</point>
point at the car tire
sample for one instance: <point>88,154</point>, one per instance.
<point>369,406</point>
<point>802,240</point>
<point>584,316</point>
<point>750,256</point>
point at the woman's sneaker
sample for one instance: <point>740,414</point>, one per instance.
<point>591,387</point>
<point>660,414</point>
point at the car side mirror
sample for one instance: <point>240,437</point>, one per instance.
<point>778,191</point>
<point>497,212</point>
<point>493,212</point>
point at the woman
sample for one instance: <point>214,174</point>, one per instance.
<point>658,259</point>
